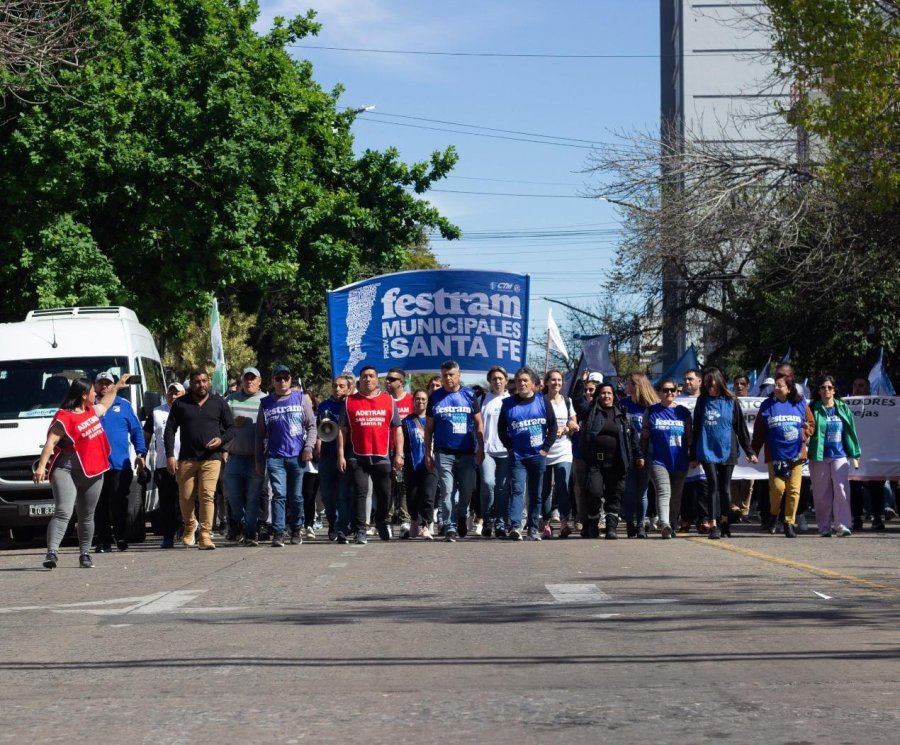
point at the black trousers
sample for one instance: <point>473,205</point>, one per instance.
<point>421,488</point>
<point>310,489</point>
<point>607,484</point>
<point>718,489</point>
<point>694,502</point>
<point>380,473</point>
<point>169,511</point>
<point>111,515</point>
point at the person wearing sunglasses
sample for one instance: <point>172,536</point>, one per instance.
<point>718,429</point>
<point>665,441</point>
<point>833,446</point>
<point>285,437</point>
<point>784,424</point>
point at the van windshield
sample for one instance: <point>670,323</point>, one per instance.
<point>35,388</point>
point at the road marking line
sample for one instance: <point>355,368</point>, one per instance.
<point>606,615</point>
<point>337,565</point>
<point>577,593</point>
<point>169,602</point>
<point>798,565</point>
<point>822,595</point>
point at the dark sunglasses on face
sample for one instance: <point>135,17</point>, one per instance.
<point>826,387</point>
<point>667,390</point>
<point>393,380</point>
<point>282,378</point>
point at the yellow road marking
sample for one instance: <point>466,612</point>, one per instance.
<point>799,566</point>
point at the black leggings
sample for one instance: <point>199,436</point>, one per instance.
<point>310,489</point>
<point>111,516</point>
<point>380,474</point>
<point>718,488</point>
<point>421,487</point>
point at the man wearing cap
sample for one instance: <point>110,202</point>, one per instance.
<point>241,482</point>
<point>206,425</point>
<point>166,486</point>
<point>285,438</point>
<point>121,427</point>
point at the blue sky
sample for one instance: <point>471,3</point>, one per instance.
<point>582,99</point>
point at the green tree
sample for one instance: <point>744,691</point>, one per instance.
<point>192,156</point>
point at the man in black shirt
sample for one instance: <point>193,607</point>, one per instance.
<point>206,424</point>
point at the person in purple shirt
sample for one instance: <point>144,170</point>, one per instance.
<point>285,437</point>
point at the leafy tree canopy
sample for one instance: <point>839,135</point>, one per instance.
<point>192,156</point>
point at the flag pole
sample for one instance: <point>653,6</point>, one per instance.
<point>547,356</point>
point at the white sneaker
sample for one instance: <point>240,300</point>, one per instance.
<point>554,516</point>
<point>843,531</point>
<point>371,531</point>
<point>425,533</point>
<point>310,533</point>
<point>476,529</point>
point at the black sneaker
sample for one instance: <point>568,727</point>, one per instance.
<point>232,534</point>
<point>278,540</point>
<point>296,536</point>
<point>384,532</point>
<point>122,545</point>
<point>51,560</point>
<point>341,538</point>
<point>486,531</point>
<point>332,534</point>
<point>85,561</point>
<point>878,524</point>
<point>500,533</point>
<point>450,536</point>
<point>104,548</point>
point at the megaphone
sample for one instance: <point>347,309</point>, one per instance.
<point>328,430</point>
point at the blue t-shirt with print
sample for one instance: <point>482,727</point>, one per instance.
<point>414,441</point>
<point>784,427</point>
<point>526,424</point>
<point>453,413</point>
<point>667,428</point>
<point>714,437</point>
<point>834,435</point>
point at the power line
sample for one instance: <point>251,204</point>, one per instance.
<point>478,126</point>
<point>475,134</point>
<point>517,55</point>
<point>509,194</point>
<point>514,181</point>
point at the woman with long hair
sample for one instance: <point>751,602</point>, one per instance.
<point>784,424</point>
<point>718,430</point>
<point>639,396</point>
<point>421,484</point>
<point>559,458</point>
<point>832,447</point>
<point>665,440</point>
<point>80,456</point>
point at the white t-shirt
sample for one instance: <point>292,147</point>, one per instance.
<point>490,415</point>
<point>561,450</point>
<point>160,417</point>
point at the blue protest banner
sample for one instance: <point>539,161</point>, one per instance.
<point>417,320</point>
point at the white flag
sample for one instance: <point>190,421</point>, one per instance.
<point>220,374</point>
<point>554,338</point>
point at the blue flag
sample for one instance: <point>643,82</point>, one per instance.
<point>687,361</point>
<point>879,381</point>
<point>417,320</point>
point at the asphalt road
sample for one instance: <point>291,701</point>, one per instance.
<point>758,639</point>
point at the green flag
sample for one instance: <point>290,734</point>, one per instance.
<point>220,373</point>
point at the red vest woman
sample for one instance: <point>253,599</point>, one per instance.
<point>80,456</point>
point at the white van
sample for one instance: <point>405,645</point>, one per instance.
<point>39,358</point>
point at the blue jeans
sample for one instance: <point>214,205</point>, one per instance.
<point>530,470</point>
<point>242,485</point>
<point>561,472</point>
<point>286,478</point>
<point>337,496</point>
<point>456,482</point>
<point>636,482</point>
<point>495,489</point>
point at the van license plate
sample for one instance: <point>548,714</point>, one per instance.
<point>40,510</point>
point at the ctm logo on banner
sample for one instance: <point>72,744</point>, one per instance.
<point>417,320</point>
